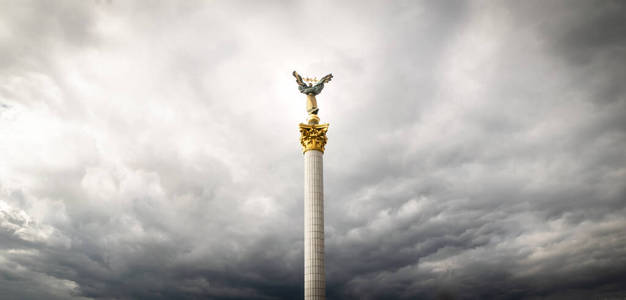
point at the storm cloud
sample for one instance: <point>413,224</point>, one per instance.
<point>149,150</point>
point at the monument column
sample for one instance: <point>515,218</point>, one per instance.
<point>313,139</point>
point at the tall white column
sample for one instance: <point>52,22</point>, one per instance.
<point>313,141</point>
<point>314,277</point>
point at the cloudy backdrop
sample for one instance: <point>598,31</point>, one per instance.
<point>150,150</point>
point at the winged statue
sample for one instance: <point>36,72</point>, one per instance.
<point>311,90</point>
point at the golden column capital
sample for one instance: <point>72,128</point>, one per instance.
<point>313,136</point>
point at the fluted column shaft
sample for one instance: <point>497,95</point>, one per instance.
<point>314,277</point>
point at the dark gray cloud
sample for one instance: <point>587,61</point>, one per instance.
<point>150,151</point>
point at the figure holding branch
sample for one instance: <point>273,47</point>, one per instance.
<point>311,90</point>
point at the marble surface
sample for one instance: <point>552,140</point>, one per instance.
<point>314,277</point>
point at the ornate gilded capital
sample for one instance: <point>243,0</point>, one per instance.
<point>313,136</point>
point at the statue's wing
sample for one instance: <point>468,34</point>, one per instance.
<point>326,78</point>
<point>298,78</point>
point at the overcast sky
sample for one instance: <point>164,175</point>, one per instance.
<point>150,149</point>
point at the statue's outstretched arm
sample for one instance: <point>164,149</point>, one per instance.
<point>298,79</point>
<point>326,79</point>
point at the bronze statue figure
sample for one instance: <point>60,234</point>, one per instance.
<point>311,90</point>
